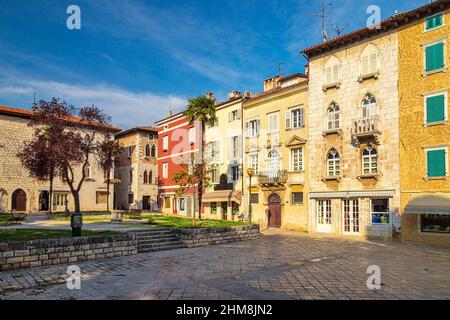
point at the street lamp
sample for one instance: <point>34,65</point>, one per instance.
<point>250,173</point>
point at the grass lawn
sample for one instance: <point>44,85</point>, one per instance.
<point>6,219</point>
<point>179,222</point>
<point>150,219</point>
<point>11,235</point>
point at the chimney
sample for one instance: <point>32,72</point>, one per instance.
<point>170,111</point>
<point>234,94</point>
<point>272,83</point>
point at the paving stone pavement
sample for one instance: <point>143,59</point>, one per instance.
<point>279,265</point>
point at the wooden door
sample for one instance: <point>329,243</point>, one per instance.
<point>19,200</point>
<point>275,211</point>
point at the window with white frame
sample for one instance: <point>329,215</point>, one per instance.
<point>333,116</point>
<point>297,159</point>
<point>434,22</point>
<point>436,107</point>
<point>333,164</point>
<point>369,60</point>
<point>273,119</point>
<point>369,106</point>
<point>436,162</point>
<point>166,143</point>
<point>332,69</point>
<point>273,161</point>
<point>235,173</point>
<point>253,162</point>
<point>234,147</point>
<point>234,115</point>
<point>181,204</point>
<point>434,54</point>
<point>192,135</point>
<point>215,151</point>
<point>165,169</point>
<point>369,161</point>
<point>253,128</point>
<point>295,118</point>
<point>87,171</point>
<point>214,175</point>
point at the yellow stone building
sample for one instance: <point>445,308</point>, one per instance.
<point>222,199</point>
<point>424,83</point>
<point>275,133</point>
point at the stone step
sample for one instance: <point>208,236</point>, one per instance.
<point>159,244</point>
<point>164,240</point>
<point>160,248</point>
<point>157,237</point>
<point>154,232</point>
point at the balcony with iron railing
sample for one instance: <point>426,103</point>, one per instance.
<point>366,128</point>
<point>272,177</point>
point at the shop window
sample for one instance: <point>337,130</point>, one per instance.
<point>436,223</point>
<point>214,208</point>
<point>380,211</point>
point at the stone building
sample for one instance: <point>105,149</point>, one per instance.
<point>424,84</point>
<point>353,136</point>
<point>275,148</point>
<point>21,193</point>
<point>222,200</point>
<point>137,170</point>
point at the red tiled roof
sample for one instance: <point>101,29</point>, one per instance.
<point>25,113</point>
<point>391,23</point>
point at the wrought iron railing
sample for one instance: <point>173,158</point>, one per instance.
<point>273,177</point>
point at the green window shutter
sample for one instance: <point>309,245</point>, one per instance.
<point>434,22</point>
<point>435,57</point>
<point>436,109</point>
<point>436,163</point>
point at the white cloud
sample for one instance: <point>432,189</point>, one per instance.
<point>127,109</point>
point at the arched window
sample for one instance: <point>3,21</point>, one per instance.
<point>332,69</point>
<point>333,116</point>
<point>369,161</point>
<point>273,160</point>
<point>369,60</point>
<point>87,171</point>
<point>145,176</point>
<point>147,150</point>
<point>153,153</point>
<point>150,176</point>
<point>333,164</point>
<point>369,105</point>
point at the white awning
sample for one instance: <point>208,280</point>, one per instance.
<point>352,194</point>
<point>429,204</point>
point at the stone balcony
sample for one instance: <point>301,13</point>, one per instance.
<point>366,129</point>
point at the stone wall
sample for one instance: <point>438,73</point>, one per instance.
<point>204,237</point>
<point>36,253</point>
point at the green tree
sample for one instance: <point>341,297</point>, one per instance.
<point>201,109</point>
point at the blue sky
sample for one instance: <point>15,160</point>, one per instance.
<point>135,58</point>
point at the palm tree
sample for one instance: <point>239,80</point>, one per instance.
<point>203,110</point>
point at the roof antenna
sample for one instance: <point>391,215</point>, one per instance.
<point>322,14</point>
<point>280,65</point>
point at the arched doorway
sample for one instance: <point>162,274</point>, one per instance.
<point>44,201</point>
<point>274,210</point>
<point>19,200</point>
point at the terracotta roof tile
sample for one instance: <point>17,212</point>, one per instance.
<point>25,113</point>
